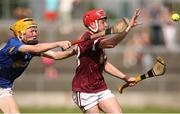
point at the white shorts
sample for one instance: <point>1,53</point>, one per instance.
<point>86,101</point>
<point>5,92</point>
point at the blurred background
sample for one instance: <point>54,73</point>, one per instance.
<point>46,84</point>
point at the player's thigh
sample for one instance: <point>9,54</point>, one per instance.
<point>8,105</point>
<point>92,110</point>
<point>13,105</point>
<point>110,105</point>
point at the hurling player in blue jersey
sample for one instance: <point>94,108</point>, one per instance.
<point>16,55</point>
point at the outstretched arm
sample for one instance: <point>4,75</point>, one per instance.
<point>112,70</point>
<point>113,41</point>
<point>42,47</point>
<point>59,55</point>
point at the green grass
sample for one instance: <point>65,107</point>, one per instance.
<point>76,110</point>
<point>150,109</point>
<point>50,110</point>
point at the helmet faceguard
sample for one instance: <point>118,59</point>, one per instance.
<point>19,28</point>
<point>93,16</point>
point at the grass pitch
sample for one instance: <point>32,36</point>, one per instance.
<point>76,110</point>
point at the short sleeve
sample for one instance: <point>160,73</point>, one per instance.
<point>13,46</point>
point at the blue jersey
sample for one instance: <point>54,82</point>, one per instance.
<point>12,62</point>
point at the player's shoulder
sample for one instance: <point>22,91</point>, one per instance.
<point>14,41</point>
<point>86,34</point>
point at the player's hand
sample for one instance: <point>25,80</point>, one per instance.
<point>130,80</point>
<point>134,22</point>
<point>65,44</point>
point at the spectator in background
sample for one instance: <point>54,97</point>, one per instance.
<point>22,12</point>
<point>155,25</point>
<point>169,30</point>
<point>50,70</point>
<point>65,10</point>
<point>51,10</point>
<point>51,17</point>
<point>136,50</point>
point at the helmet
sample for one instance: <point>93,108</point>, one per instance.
<point>93,16</point>
<point>21,26</point>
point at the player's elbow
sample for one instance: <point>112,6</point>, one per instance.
<point>112,44</point>
<point>107,45</point>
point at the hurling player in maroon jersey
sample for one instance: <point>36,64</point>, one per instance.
<point>89,88</point>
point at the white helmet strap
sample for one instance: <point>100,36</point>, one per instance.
<point>95,29</point>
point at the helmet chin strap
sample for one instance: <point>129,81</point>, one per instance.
<point>20,36</point>
<point>97,27</point>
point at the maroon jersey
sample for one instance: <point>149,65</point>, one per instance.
<point>90,66</point>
